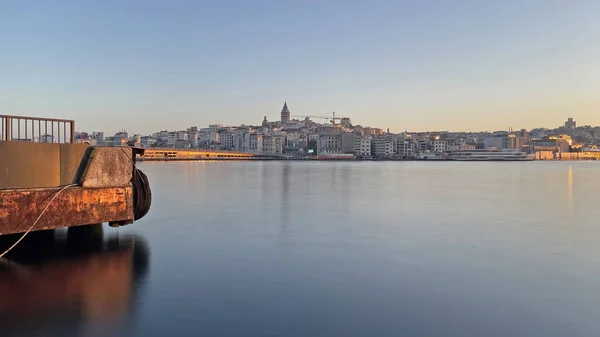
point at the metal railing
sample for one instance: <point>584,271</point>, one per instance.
<point>35,129</point>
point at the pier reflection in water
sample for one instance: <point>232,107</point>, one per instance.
<point>71,282</point>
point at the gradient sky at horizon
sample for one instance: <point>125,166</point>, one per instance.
<point>145,66</point>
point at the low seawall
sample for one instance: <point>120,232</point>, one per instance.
<point>550,155</point>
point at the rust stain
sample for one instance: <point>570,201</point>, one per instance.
<point>73,207</point>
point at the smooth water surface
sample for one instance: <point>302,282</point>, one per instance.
<point>327,249</point>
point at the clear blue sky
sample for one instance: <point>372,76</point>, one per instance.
<point>417,65</point>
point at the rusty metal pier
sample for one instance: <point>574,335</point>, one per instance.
<point>39,159</point>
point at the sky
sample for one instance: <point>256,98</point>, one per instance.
<point>145,66</point>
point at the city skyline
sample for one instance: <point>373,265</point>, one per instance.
<point>325,119</point>
<point>420,66</point>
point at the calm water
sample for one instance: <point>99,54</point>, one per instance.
<point>326,249</point>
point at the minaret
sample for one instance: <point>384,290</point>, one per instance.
<point>285,113</point>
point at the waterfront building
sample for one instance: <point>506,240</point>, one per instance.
<point>472,138</point>
<point>292,141</point>
<point>560,143</point>
<point>440,146</point>
<point>331,143</point>
<point>109,141</point>
<point>272,145</point>
<point>382,146</point>
<point>268,146</point>
<point>147,141</point>
<point>241,140</point>
<point>461,147</point>
<point>194,139</point>
<point>362,146</point>
<point>182,136</point>
<point>165,138</point>
<point>84,138</point>
<point>514,141</point>
<point>499,141</point>
<point>226,139</point>
<point>423,145</point>
<point>120,138</point>
<point>280,140</point>
<point>255,143</point>
<point>98,137</point>
<point>405,147</point>
<point>348,142</point>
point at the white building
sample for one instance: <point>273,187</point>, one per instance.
<point>362,146</point>
<point>120,138</point>
<point>329,144</point>
<point>89,141</point>
<point>461,147</point>
<point>204,135</point>
<point>273,145</point>
<point>440,146</point>
<point>182,136</point>
<point>382,146</point>
<point>405,147</point>
<point>241,140</point>
<point>98,137</point>
<point>165,138</point>
<point>255,143</point>
<point>213,137</point>
<point>279,143</point>
<point>472,138</point>
<point>193,139</point>
<point>292,140</point>
<point>147,141</point>
<point>423,144</point>
<point>497,142</point>
<point>226,139</point>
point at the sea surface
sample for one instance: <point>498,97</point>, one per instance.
<point>278,248</point>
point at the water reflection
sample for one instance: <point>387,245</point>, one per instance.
<point>285,197</point>
<point>70,282</point>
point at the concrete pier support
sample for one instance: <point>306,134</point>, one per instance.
<point>102,189</point>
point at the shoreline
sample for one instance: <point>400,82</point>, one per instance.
<point>348,160</point>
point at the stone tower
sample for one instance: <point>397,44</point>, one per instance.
<point>285,113</point>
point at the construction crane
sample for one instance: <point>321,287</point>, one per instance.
<point>332,119</point>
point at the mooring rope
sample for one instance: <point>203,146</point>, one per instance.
<point>36,220</point>
<point>142,196</point>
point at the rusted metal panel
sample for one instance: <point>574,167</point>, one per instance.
<point>74,206</point>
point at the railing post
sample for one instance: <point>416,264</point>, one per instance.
<point>7,125</point>
<point>72,131</point>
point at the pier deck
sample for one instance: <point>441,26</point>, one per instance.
<point>70,184</point>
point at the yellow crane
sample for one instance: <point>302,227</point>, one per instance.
<point>332,119</point>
